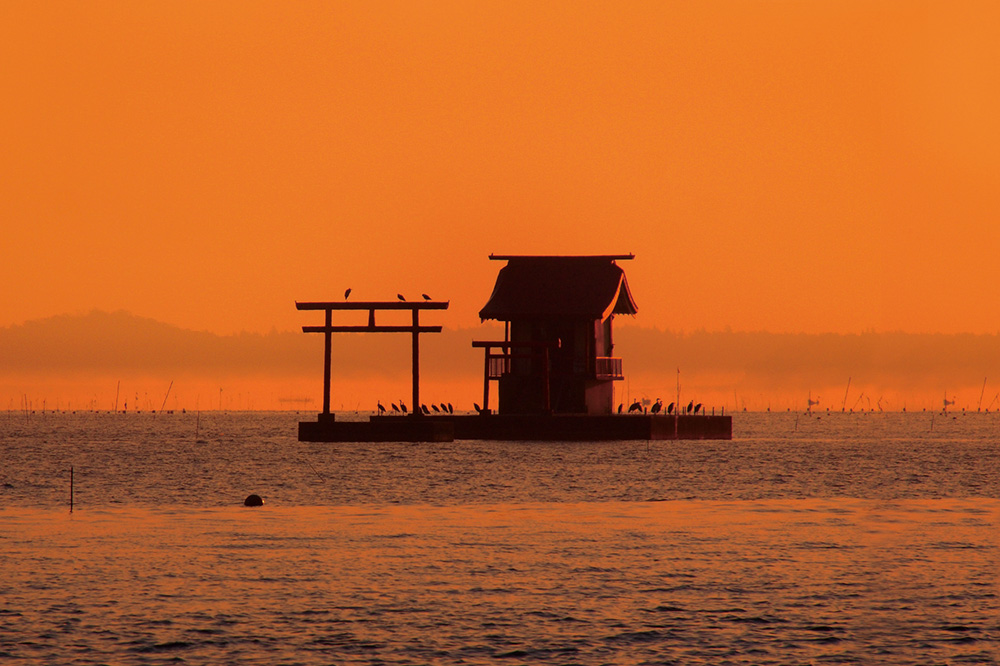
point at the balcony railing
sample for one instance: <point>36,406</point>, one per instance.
<point>608,367</point>
<point>498,366</point>
<point>605,367</point>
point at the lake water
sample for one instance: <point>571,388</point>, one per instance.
<point>823,539</point>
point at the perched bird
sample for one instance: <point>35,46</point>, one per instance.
<point>670,408</point>
<point>697,408</point>
<point>435,408</point>
<point>657,406</point>
<point>400,297</point>
<point>634,407</point>
<point>424,409</point>
<point>620,406</point>
<point>451,410</point>
<point>426,297</point>
<point>381,407</point>
<point>690,406</point>
<point>347,293</point>
<point>444,408</point>
<point>395,407</point>
<point>478,408</point>
<point>402,406</point>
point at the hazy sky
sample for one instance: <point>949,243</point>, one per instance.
<point>788,166</point>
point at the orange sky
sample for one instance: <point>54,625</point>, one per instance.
<point>787,166</point>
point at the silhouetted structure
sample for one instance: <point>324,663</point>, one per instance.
<point>362,432</point>
<point>555,366</point>
<point>557,352</point>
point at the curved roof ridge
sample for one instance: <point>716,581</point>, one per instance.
<point>545,287</point>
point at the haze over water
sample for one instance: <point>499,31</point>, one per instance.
<point>848,538</point>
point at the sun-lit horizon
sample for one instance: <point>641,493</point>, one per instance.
<point>99,361</point>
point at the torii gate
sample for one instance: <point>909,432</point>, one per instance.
<point>328,329</point>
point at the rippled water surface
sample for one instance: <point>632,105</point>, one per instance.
<point>847,538</point>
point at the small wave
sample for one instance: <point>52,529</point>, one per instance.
<point>958,627</point>
<point>827,545</point>
<point>753,619</point>
<point>961,640</point>
<point>591,569</point>
<point>821,627</point>
<point>521,653</point>
<point>646,636</point>
<point>674,588</point>
<point>163,647</point>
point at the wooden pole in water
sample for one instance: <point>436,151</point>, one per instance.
<point>71,489</point>
<point>677,408</point>
<point>163,406</point>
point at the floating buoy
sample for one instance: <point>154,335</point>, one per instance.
<point>253,500</point>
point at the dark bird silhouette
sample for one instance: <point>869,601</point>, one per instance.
<point>690,406</point>
<point>657,406</point>
<point>435,408</point>
<point>478,408</point>
<point>697,408</point>
<point>402,406</point>
<point>381,407</point>
<point>400,297</point>
<point>670,408</point>
<point>634,407</point>
<point>424,409</point>
<point>444,408</point>
<point>347,293</point>
<point>451,410</point>
<point>620,406</point>
<point>426,297</point>
<point>395,407</point>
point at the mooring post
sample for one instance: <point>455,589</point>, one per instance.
<point>416,362</point>
<point>328,345</point>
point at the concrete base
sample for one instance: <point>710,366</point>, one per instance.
<point>383,429</point>
<point>527,427</point>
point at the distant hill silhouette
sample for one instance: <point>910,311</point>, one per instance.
<point>118,343</point>
<point>787,360</point>
<point>108,343</point>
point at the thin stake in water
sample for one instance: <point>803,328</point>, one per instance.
<point>164,405</point>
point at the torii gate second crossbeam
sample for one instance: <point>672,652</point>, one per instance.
<point>328,329</point>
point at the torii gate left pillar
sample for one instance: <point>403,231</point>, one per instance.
<point>328,329</point>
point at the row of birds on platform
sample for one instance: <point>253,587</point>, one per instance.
<point>444,408</point>
<point>347,294</point>
<point>657,407</point>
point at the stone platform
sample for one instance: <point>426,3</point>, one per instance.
<point>517,427</point>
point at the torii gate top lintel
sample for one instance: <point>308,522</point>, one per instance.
<point>371,305</point>
<point>414,328</point>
